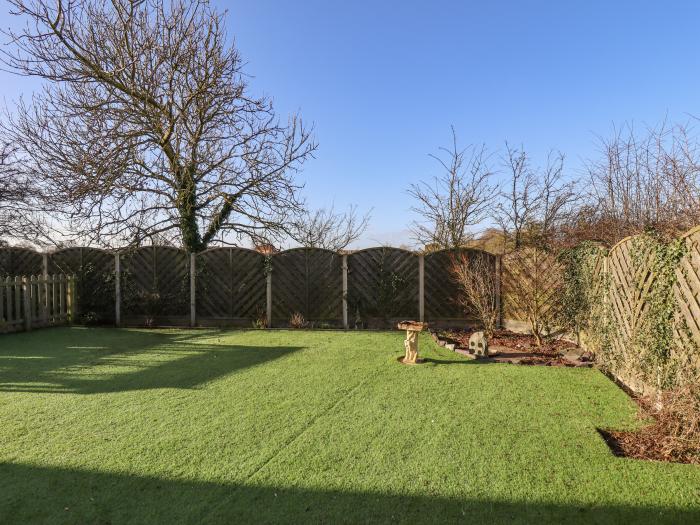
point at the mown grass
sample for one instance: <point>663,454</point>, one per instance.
<point>165,426</point>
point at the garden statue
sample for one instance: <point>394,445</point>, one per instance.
<point>411,343</point>
<point>478,344</point>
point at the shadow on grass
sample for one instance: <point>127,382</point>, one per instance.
<point>49,495</point>
<point>104,361</point>
<point>433,361</point>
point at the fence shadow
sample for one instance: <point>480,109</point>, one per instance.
<point>119,361</point>
<point>38,495</point>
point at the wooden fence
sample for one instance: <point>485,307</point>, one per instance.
<point>35,302</point>
<point>621,323</point>
<point>369,288</point>
<point>160,285</point>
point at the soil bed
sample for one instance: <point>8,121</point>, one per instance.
<point>672,432</point>
<point>519,348</point>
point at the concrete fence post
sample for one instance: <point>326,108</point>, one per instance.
<point>193,289</point>
<point>26,295</point>
<point>421,287</point>
<point>269,299</point>
<point>497,286</point>
<point>345,291</point>
<point>117,290</point>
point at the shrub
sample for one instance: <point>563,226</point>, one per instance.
<point>297,321</point>
<point>260,320</point>
<point>476,280</point>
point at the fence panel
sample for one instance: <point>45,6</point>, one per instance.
<point>441,292</point>
<point>20,261</point>
<point>531,286</point>
<point>155,286</point>
<point>36,302</point>
<point>231,286</point>
<point>382,286</point>
<point>307,281</point>
<point>686,349</point>
<point>94,272</point>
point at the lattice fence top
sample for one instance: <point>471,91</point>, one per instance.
<point>20,261</point>
<point>686,351</point>
<point>532,283</point>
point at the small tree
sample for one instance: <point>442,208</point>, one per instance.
<point>477,282</point>
<point>327,229</point>
<point>457,200</point>
<point>532,287</point>
<point>535,202</point>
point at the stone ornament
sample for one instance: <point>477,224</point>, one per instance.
<point>411,343</point>
<point>478,344</point>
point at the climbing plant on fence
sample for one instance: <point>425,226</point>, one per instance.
<point>584,308</point>
<point>382,286</point>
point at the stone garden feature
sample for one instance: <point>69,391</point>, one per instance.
<point>478,344</point>
<point>411,343</point>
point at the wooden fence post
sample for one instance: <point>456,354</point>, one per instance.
<point>117,289</point>
<point>345,291</point>
<point>269,299</point>
<point>421,287</point>
<point>193,290</point>
<point>27,304</point>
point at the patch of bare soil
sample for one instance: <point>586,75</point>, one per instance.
<point>521,348</point>
<point>673,435</point>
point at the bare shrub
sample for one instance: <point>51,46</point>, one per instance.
<point>477,283</point>
<point>297,320</point>
<point>535,202</point>
<point>532,289</point>
<point>640,180</point>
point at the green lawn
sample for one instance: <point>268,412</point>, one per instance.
<point>129,426</point>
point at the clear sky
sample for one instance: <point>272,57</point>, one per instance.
<point>384,80</point>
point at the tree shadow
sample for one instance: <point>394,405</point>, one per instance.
<point>30,494</point>
<point>100,361</point>
<point>434,362</point>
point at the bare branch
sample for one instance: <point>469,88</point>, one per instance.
<point>457,200</point>
<point>145,125</point>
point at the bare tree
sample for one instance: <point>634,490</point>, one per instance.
<point>324,228</point>
<point>536,202</point>
<point>455,201</point>
<point>475,276</point>
<point>18,217</point>
<point>516,207</point>
<point>640,180</point>
<point>145,125</point>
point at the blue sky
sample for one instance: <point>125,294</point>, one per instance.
<point>383,82</point>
